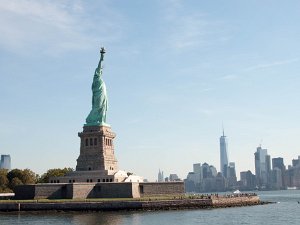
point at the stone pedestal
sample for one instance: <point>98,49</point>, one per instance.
<point>97,150</point>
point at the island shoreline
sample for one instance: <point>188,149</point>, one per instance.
<point>133,205</point>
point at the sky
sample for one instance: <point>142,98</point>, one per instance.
<point>175,71</point>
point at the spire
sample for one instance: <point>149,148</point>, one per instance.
<point>223,130</point>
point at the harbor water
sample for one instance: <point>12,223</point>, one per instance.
<point>286,211</point>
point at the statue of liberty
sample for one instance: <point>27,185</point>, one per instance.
<point>97,115</point>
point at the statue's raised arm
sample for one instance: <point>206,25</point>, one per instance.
<point>102,52</point>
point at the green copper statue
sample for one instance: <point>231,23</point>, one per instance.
<point>97,115</point>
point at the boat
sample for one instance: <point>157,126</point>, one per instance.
<point>291,188</point>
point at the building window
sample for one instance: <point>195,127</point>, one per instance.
<point>107,180</point>
<point>57,181</point>
<point>91,180</point>
<point>70,181</point>
<point>91,141</point>
<point>141,189</point>
<point>90,168</point>
<point>95,141</point>
<point>103,180</point>
<point>110,180</point>
<point>87,180</point>
<point>73,181</point>
<point>86,142</point>
<point>98,180</point>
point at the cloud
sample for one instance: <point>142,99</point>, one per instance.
<point>259,66</point>
<point>51,26</point>
<point>271,64</point>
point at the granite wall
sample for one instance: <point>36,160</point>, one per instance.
<point>97,190</point>
<point>161,188</point>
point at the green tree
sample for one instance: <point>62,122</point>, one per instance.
<point>14,173</point>
<point>15,182</point>
<point>57,172</point>
<point>18,177</point>
<point>29,177</point>
<point>4,182</point>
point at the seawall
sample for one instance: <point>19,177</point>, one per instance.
<point>116,205</point>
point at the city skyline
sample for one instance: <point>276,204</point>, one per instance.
<point>175,70</point>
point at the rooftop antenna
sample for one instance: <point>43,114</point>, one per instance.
<point>260,143</point>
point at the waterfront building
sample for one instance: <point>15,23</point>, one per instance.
<point>276,179</point>
<point>204,178</point>
<point>193,180</point>
<point>296,162</point>
<point>292,175</point>
<point>231,175</point>
<point>223,153</point>
<point>248,180</point>
<point>190,183</point>
<point>207,173</point>
<point>5,162</point>
<point>197,170</point>
<point>174,177</point>
<point>278,163</point>
<point>213,171</point>
<point>262,167</point>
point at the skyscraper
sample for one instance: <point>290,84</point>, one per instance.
<point>248,180</point>
<point>160,177</point>
<point>278,162</point>
<point>5,162</point>
<point>262,167</point>
<point>223,154</point>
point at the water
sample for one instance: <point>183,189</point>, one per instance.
<point>286,212</point>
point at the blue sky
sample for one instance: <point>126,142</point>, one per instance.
<point>175,71</point>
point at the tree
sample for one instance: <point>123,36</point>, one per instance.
<point>4,181</point>
<point>29,177</point>
<point>14,173</point>
<point>18,177</point>
<point>57,172</point>
<point>15,182</point>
